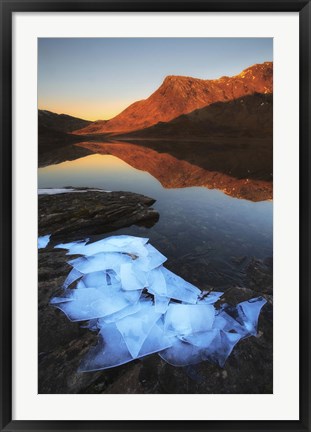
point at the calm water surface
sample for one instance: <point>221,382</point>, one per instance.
<point>208,237</point>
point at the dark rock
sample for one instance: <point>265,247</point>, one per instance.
<point>78,214</point>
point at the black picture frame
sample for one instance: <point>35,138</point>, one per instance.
<point>7,9</point>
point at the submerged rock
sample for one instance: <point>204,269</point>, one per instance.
<point>73,214</point>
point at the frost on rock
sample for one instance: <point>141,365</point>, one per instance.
<point>43,241</point>
<point>120,288</point>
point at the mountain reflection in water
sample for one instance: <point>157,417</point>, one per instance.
<point>212,234</point>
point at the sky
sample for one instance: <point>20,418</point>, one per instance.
<point>96,78</point>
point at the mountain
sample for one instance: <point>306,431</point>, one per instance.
<point>60,122</point>
<point>54,130</point>
<point>250,116</point>
<point>181,95</point>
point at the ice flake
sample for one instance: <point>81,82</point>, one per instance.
<point>99,262</point>
<point>72,277</point>
<point>187,319</point>
<point>211,298</point>
<point>131,278</point>
<point>135,328</point>
<point>111,351</point>
<point>201,339</point>
<point>152,260</point>
<point>181,354</point>
<point>156,341</point>
<point>157,283</point>
<point>249,312</point>
<point>57,300</point>
<point>96,279</point>
<point>221,347</point>
<point>43,241</point>
<point>92,303</point>
<point>123,244</point>
<point>161,304</point>
<point>225,322</point>
<point>129,310</point>
<point>178,289</point>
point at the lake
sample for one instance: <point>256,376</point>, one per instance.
<point>208,237</point>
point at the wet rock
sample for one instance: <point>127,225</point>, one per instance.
<point>78,214</point>
<point>259,275</point>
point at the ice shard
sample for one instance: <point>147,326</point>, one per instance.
<point>188,319</point>
<point>135,328</point>
<point>152,260</point>
<point>161,303</point>
<point>111,351</point>
<point>43,241</point>
<point>131,278</point>
<point>249,312</point>
<point>72,277</point>
<point>157,283</point>
<point>178,289</point>
<point>212,297</point>
<point>93,303</point>
<point>100,261</point>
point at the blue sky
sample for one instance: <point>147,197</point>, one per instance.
<point>98,78</point>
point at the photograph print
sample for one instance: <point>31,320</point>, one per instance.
<point>155,215</point>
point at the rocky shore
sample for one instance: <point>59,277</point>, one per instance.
<point>63,344</point>
<point>81,212</point>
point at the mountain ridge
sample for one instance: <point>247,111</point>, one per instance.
<point>179,95</point>
<point>60,122</point>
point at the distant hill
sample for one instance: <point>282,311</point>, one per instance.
<point>60,122</point>
<point>181,95</point>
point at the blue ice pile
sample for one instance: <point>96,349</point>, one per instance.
<point>121,288</point>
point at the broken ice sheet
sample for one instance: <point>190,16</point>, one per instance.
<point>123,244</point>
<point>129,310</point>
<point>181,354</point>
<point>161,304</point>
<point>131,277</point>
<point>157,283</point>
<point>187,319</point>
<point>201,339</point>
<point>43,241</point>
<point>99,262</point>
<point>211,298</point>
<point>225,322</point>
<point>152,260</point>
<point>178,289</point>
<point>221,347</point>
<point>96,279</point>
<point>140,307</point>
<point>249,312</point>
<point>135,328</point>
<point>112,351</point>
<point>92,303</point>
<point>73,275</point>
<point>216,346</point>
